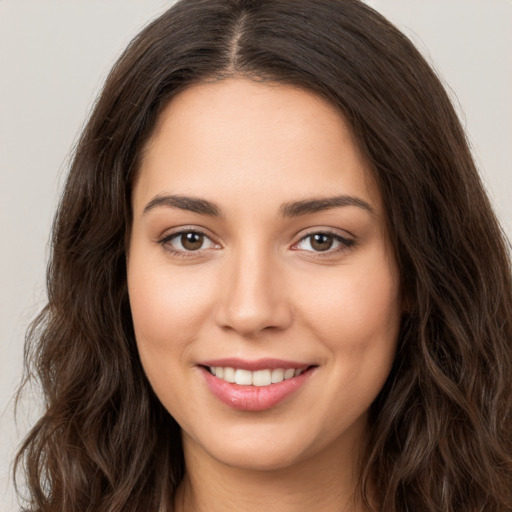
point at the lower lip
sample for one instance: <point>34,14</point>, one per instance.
<point>254,398</point>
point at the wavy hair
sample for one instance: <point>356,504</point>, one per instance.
<point>440,436</point>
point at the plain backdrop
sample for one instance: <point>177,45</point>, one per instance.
<point>54,56</point>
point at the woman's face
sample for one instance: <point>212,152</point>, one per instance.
<point>259,253</point>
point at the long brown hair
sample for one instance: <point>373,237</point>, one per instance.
<point>441,429</point>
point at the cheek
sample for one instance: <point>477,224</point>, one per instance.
<point>355,308</point>
<point>167,310</point>
<point>167,306</point>
<point>356,318</point>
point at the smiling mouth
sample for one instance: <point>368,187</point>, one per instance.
<point>260,378</point>
<point>254,386</point>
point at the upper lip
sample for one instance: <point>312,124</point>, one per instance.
<point>254,365</point>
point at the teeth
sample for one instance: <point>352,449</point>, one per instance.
<point>288,374</point>
<point>243,377</point>
<point>262,378</point>
<point>277,375</point>
<point>256,378</point>
<point>229,374</point>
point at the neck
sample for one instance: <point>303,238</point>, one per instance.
<point>327,481</point>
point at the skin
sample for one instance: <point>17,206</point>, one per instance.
<point>257,288</point>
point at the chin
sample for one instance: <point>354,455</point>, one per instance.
<point>276,447</point>
<point>261,458</point>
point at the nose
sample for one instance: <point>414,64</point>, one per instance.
<point>254,297</point>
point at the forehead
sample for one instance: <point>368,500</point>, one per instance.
<point>234,135</point>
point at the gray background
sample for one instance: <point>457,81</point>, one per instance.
<point>54,56</point>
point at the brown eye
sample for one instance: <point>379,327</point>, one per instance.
<point>321,241</point>
<point>187,241</point>
<point>324,242</point>
<point>192,241</point>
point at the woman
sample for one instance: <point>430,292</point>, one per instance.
<point>276,280</point>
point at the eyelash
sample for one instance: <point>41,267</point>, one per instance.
<point>165,242</point>
<point>345,243</point>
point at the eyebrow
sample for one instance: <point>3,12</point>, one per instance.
<point>190,204</point>
<point>290,209</point>
<point>308,206</point>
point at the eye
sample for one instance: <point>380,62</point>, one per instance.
<point>323,242</point>
<point>187,241</point>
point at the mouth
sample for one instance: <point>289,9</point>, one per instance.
<point>255,386</point>
<point>264,377</point>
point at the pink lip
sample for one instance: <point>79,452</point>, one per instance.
<point>258,364</point>
<point>254,398</point>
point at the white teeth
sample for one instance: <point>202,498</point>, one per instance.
<point>277,375</point>
<point>229,374</point>
<point>243,377</point>
<point>262,378</point>
<point>256,378</point>
<point>288,374</point>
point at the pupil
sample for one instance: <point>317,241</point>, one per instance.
<point>192,241</point>
<point>321,242</point>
